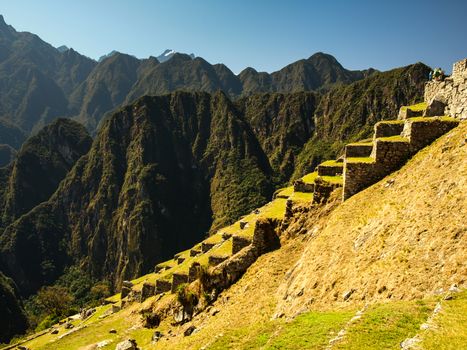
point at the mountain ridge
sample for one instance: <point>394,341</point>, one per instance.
<point>45,83</point>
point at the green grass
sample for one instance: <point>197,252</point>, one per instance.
<point>284,192</point>
<point>390,122</point>
<point>335,180</point>
<point>385,326</point>
<point>311,330</point>
<point>310,178</point>
<point>367,143</point>
<point>450,326</point>
<point>445,118</point>
<point>419,107</point>
<point>360,160</point>
<point>301,197</point>
<point>332,163</point>
<point>395,138</point>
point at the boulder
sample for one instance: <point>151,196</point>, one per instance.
<point>113,331</point>
<point>129,344</point>
<point>147,290</point>
<point>436,106</point>
<point>115,308</point>
<point>54,331</point>
<point>127,284</point>
<point>156,336</point>
<point>189,331</point>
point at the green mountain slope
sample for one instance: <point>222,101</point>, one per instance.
<point>13,320</point>
<point>118,211</point>
<point>40,165</point>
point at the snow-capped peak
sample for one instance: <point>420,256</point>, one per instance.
<point>168,54</point>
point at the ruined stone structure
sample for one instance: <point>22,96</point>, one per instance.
<point>178,279</point>
<point>238,243</point>
<point>163,286</point>
<point>391,149</point>
<point>452,91</point>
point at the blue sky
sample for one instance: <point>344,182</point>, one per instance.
<point>265,35</point>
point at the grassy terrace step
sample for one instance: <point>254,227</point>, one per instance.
<point>444,118</point>
<point>310,178</point>
<point>331,163</point>
<point>360,160</point>
<point>334,180</point>
<point>284,193</point>
<point>412,111</point>
<point>301,197</point>
<point>396,138</point>
<point>419,107</point>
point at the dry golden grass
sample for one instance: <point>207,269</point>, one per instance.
<point>402,239</point>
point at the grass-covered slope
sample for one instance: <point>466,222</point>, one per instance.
<point>403,238</point>
<point>370,273</point>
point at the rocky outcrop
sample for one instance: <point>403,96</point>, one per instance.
<point>449,96</point>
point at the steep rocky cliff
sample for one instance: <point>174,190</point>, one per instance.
<point>118,211</point>
<point>40,165</point>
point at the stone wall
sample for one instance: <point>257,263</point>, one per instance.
<point>301,186</point>
<point>178,279</point>
<point>453,90</point>
<point>423,132</point>
<point>265,239</point>
<point>389,154</point>
<point>163,286</point>
<point>358,150</point>
<point>329,170</point>
<point>238,243</point>
<point>388,128</point>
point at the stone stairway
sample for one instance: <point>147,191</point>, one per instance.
<point>394,142</point>
<point>366,162</point>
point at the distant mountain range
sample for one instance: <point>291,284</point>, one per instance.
<point>41,83</point>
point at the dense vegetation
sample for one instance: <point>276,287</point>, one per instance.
<point>13,320</point>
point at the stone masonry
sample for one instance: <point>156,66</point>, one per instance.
<point>452,89</point>
<point>178,279</point>
<point>163,286</point>
<point>390,152</point>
